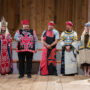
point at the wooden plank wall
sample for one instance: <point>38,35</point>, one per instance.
<point>40,12</point>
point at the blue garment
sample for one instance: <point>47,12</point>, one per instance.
<point>55,32</point>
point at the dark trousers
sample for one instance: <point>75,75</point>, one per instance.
<point>22,56</point>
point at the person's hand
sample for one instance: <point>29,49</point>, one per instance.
<point>19,40</point>
<point>68,48</point>
<point>35,51</point>
<point>49,47</point>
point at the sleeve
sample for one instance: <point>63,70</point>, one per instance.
<point>16,37</point>
<point>75,36</point>
<point>74,43</point>
<point>9,38</point>
<point>56,35</point>
<point>62,40</point>
<point>62,36</point>
<point>36,42</point>
<point>43,34</point>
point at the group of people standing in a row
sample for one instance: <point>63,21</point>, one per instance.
<point>28,45</point>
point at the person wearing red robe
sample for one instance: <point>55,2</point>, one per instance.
<point>50,39</point>
<point>6,63</point>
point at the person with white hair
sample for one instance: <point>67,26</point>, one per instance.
<point>84,50</point>
<point>5,49</point>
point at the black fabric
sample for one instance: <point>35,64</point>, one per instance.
<point>49,40</point>
<point>62,61</point>
<point>86,39</point>
<point>31,33</point>
<point>51,68</point>
<point>85,64</point>
<point>22,56</point>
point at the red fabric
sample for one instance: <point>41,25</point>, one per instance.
<point>43,64</point>
<point>4,65</point>
<point>49,33</point>
<point>44,38</point>
<point>51,23</point>
<point>26,41</point>
<point>44,59</point>
<point>25,22</point>
<point>52,57</point>
<point>5,61</point>
<point>25,50</point>
<point>9,39</point>
<point>69,23</point>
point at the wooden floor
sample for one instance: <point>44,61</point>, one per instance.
<point>37,82</point>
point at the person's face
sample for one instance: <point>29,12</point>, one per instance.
<point>25,27</point>
<point>67,48</point>
<point>3,28</point>
<point>68,27</point>
<point>50,27</point>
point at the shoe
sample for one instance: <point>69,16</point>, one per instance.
<point>21,76</point>
<point>55,74</point>
<point>29,76</point>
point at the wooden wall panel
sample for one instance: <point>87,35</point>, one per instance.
<point>49,11</point>
<point>39,23</point>
<point>80,15</point>
<point>74,10</point>
<point>10,15</point>
<point>40,12</point>
<point>9,9</point>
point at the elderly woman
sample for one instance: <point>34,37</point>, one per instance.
<point>5,49</point>
<point>84,50</point>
